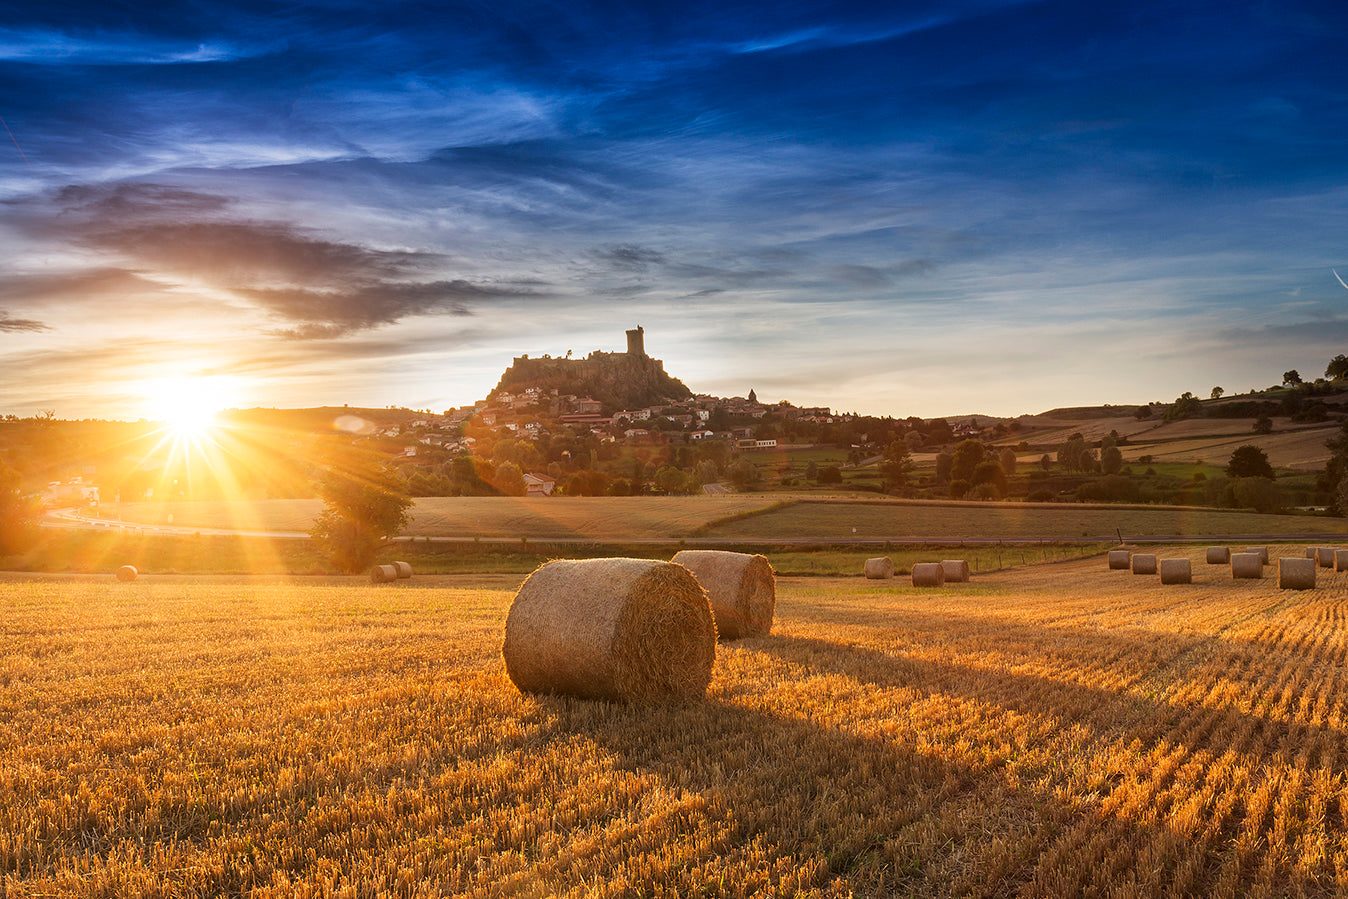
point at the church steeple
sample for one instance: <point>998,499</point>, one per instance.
<point>752,397</point>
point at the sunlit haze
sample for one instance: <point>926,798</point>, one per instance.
<point>896,209</point>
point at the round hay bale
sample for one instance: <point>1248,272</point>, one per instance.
<point>1246,565</point>
<point>1310,552</point>
<point>1341,560</point>
<point>877,569</point>
<point>1325,556</point>
<point>403,569</point>
<point>1119,559</point>
<point>1176,571</point>
<point>956,571</point>
<point>1218,555</point>
<point>1261,550</point>
<point>628,629</point>
<point>382,574</point>
<point>741,587</point>
<point>1296,574</point>
<point>928,574</point>
<point>127,573</point>
<point>1144,563</point>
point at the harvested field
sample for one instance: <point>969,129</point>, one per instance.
<point>599,518</point>
<point>1054,730</point>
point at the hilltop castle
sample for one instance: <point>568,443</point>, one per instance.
<point>617,380</point>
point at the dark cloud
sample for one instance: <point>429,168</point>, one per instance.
<point>102,284</point>
<point>321,288</point>
<point>631,257</point>
<point>20,324</point>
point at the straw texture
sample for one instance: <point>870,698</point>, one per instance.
<point>1176,571</point>
<point>928,574</point>
<point>1296,574</point>
<point>1144,563</point>
<point>877,569</point>
<point>956,570</point>
<point>636,630</point>
<point>1246,565</point>
<point>742,589</point>
<point>1119,559</point>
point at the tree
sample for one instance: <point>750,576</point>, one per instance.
<point>1249,461</point>
<point>1259,494</point>
<point>896,465</point>
<point>1337,369</point>
<point>363,508</point>
<point>990,473</point>
<point>1111,460</point>
<point>1075,455</point>
<point>1291,378</point>
<point>967,456</point>
<point>1263,424</point>
<point>1143,411</point>
<point>1007,458</point>
<point>671,480</point>
<point>744,475</point>
<point>1185,405</point>
<point>1217,393</point>
<point>18,513</point>
<point>509,480</point>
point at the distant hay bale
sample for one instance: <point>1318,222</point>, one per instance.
<point>1246,565</point>
<point>127,573</point>
<point>1119,559</point>
<point>1310,552</point>
<point>1176,571</point>
<point>382,574</point>
<point>1325,556</point>
<point>629,629</point>
<point>877,569</point>
<point>1341,560</point>
<point>1262,551</point>
<point>1218,555</point>
<point>1144,563</point>
<point>741,587</point>
<point>928,574</point>
<point>404,569</point>
<point>1296,574</point>
<point>956,571</point>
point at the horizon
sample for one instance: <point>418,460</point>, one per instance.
<point>892,212</point>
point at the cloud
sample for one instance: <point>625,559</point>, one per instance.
<point>54,47</point>
<point>188,241</point>
<point>20,324</point>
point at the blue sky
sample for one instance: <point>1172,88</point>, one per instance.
<point>903,209</point>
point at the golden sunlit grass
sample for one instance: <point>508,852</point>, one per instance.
<point>1055,730</point>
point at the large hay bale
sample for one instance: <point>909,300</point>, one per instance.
<point>1246,565</point>
<point>1261,550</point>
<point>928,574</point>
<point>1144,563</point>
<point>1176,571</point>
<point>956,571</point>
<point>1296,574</point>
<point>1341,560</point>
<point>1119,559</point>
<point>382,574</point>
<point>629,629</point>
<point>127,573</point>
<point>1325,556</point>
<point>741,587</point>
<point>878,569</point>
<point>1218,555</point>
<point>404,569</point>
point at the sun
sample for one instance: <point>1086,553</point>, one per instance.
<point>188,406</point>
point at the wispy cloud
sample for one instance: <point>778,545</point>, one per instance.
<point>53,47</point>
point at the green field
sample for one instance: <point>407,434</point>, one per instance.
<point>898,520</point>
<point>1056,730</point>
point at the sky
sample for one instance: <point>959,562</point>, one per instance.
<point>895,209</point>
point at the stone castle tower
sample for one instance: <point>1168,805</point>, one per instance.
<point>636,342</point>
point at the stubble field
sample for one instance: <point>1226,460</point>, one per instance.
<point>1052,730</point>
